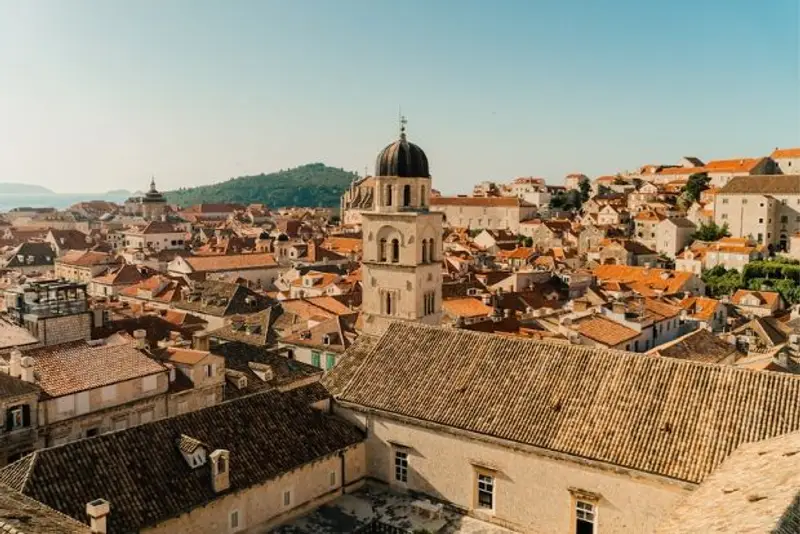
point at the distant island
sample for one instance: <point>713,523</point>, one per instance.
<point>118,193</point>
<point>7,188</point>
<point>312,185</point>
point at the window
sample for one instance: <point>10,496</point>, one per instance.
<point>395,250</point>
<point>315,358</point>
<point>209,371</point>
<point>406,195</point>
<point>233,520</point>
<point>636,346</point>
<point>429,302</point>
<point>401,466</point>
<point>149,383</point>
<point>287,498</point>
<point>760,220</point>
<point>18,417</point>
<point>330,361</point>
<point>109,393</point>
<point>332,479</point>
<point>382,250</point>
<point>389,307</point>
<point>724,200</point>
<point>422,195</point>
<point>388,195</point>
<point>485,491</point>
<point>424,251</point>
<point>760,238</point>
<point>744,201</point>
<point>585,515</point>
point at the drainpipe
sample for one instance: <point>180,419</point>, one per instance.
<point>342,471</point>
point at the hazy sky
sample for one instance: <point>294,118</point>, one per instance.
<point>99,94</point>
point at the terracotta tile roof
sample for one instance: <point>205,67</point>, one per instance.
<point>125,275</point>
<point>466,307</point>
<point>186,356</point>
<point>221,299</point>
<point>669,417</point>
<point>319,279</point>
<point>213,208</point>
<point>309,307</point>
<point>519,253</point>
<point>755,490</point>
<point>661,309</point>
<point>76,366</point>
<point>766,298</point>
<point>231,262</point>
<point>779,153</point>
<point>147,481</point>
<point>507,202</point>
<point>335,334</point>
<point>343,245</point>
<point>251,329</point>
<point>700,346</point>
<point>643,279</point>
<point>70,239</point>
<point>85,258</point>
<point>766,184</point>
<point>22,515</point>
<point>604,330</point>
<point>649,216</point>
<point>701,308</point>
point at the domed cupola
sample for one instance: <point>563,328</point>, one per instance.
<point>153,195</point>
<point>402,159</point>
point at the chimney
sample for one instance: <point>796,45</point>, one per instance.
<point>200,341</point>
<point>220,470</point>
<point>580,305</point>
<point>26,367</point>
<point>15,369</point>
<point>619,307</point>
<point>97,510</point>
<point>141,339</point>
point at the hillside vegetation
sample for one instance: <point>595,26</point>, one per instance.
<point>312,185</point>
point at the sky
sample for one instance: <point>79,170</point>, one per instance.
<point>100,94</point>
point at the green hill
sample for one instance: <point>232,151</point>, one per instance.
<point>312,185</point>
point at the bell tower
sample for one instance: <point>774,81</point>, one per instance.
<point>402,249</point>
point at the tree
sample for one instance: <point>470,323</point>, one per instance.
<point>603,190</point>
<point>585,188</point>
<point>711,232</point>
<point>527,242</point>
<point>697,183</point>
<point>720,282</point>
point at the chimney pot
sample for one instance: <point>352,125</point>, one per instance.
<point>15,369</point>
<point>26,367</point>
<point>141,339</point>
<point>220,470</point>
<point>200,341</point>
<point>98,510</point>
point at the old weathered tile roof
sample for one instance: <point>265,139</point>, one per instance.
<point>77,366</point>
<point>252,329</point>
<point>231,262</point>
<point>665,416</point>
<point>221,299</point>
<point>763,184</point>
<point>604,330</point>
<point>756,490</point>
<point>507,202</point>
<point>644,279</point>
<point>701,308</point>
<point>85,258</point>
<point>466,307</point>
<point>335,334</point>
<point>22,515</point>
<point>125,275</point>
<point>700,346</point>
<point>765,298</point>
<point>141,472</point>
<point>349,364</point>
<point>155,227</point>
<point>40,254</point>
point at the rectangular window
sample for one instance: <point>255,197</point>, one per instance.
<point>401,466</point>
<point>209,371</point>
<point>332,479</point>
<point>486,491</point>
<point>784,219</point>
<point>585,515</point>
<point>233,520</point>
<point>16,418</point>
<point>149,383</point>
<point>315,358</point>
<point>724,200</point>
<point>744,201</point>
<point>636,346</point>
<point>330,361</point>
<point>287,498</point>
<point>760,220</point>
<point>109,393</point>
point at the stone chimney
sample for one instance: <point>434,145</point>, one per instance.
<point>141,339</point>
<point>98,510</point>
<point>26,368</point>
<point>619,307</point>
<point>15,368</point>
<point>220,470</point>
<point>200,341</point>
<point>580,305</point>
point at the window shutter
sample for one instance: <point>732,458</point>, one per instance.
<point>9,421</point>
<point>26,415</point>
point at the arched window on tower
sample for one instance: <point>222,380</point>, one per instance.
<point>406,195</point>
<point>431,257</point>
<point>395,250</point>
<point>422,195</point>
<point>382,250</point>
<point>424,251</point>
<point>388,195</point>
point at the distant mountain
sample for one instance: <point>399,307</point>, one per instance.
<point>23,189</point>
<point>311,185</point>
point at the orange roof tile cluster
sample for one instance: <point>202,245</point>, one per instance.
<point>343,245</point>
<point>604,330</point>
<point>645,281</point>
<point>780,153</point>
<point>519,253</point>
<point>719,165</point>
<point>230,262</point>
<point>505,202</point>
<point>701,308</point>
<point>319,279</point>
<point>85,258</point>
<point>649,216</point>
<point>766,298</point>
<point>186,356</point>
<point>466,307</point>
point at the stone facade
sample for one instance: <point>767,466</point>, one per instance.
<point>534,490</point>
<point>262,507</point>
<point>63,329</point>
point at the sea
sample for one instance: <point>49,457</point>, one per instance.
<point>56,200</point>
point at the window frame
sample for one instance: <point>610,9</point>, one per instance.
<point>582,514</point>
<point>400,466</point>
<point>485,484</point>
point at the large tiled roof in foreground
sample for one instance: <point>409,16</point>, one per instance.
<point>756,490</point>
<point>144,476</point>
<point>670,417</point>
<point>22,515</point>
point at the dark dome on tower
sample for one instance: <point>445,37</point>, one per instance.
<point>403,159</point>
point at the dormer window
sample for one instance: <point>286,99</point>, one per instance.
<point>192,450</point>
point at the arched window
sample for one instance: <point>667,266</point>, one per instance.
<point>388,195</point>
<point>424,251</point>
<point>406,195</point>
<point>422,195</point>
<point>431,258</point>
<point>221,465</point>
<point>395,251</point>
<point>382,250</point>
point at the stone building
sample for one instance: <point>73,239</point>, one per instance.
<point>454,422</point>
<point>673,234</point>
<point>401,273</point>
<point>153,205</point>
<point>19,402</point>
<point>787,160</point>
<point>241,466</point>
<point>82,265</point>
<point>54,312</point>
<point>492,213</point>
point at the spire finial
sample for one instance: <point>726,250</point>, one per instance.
<point>152,182</point>
<point>403,122</point>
